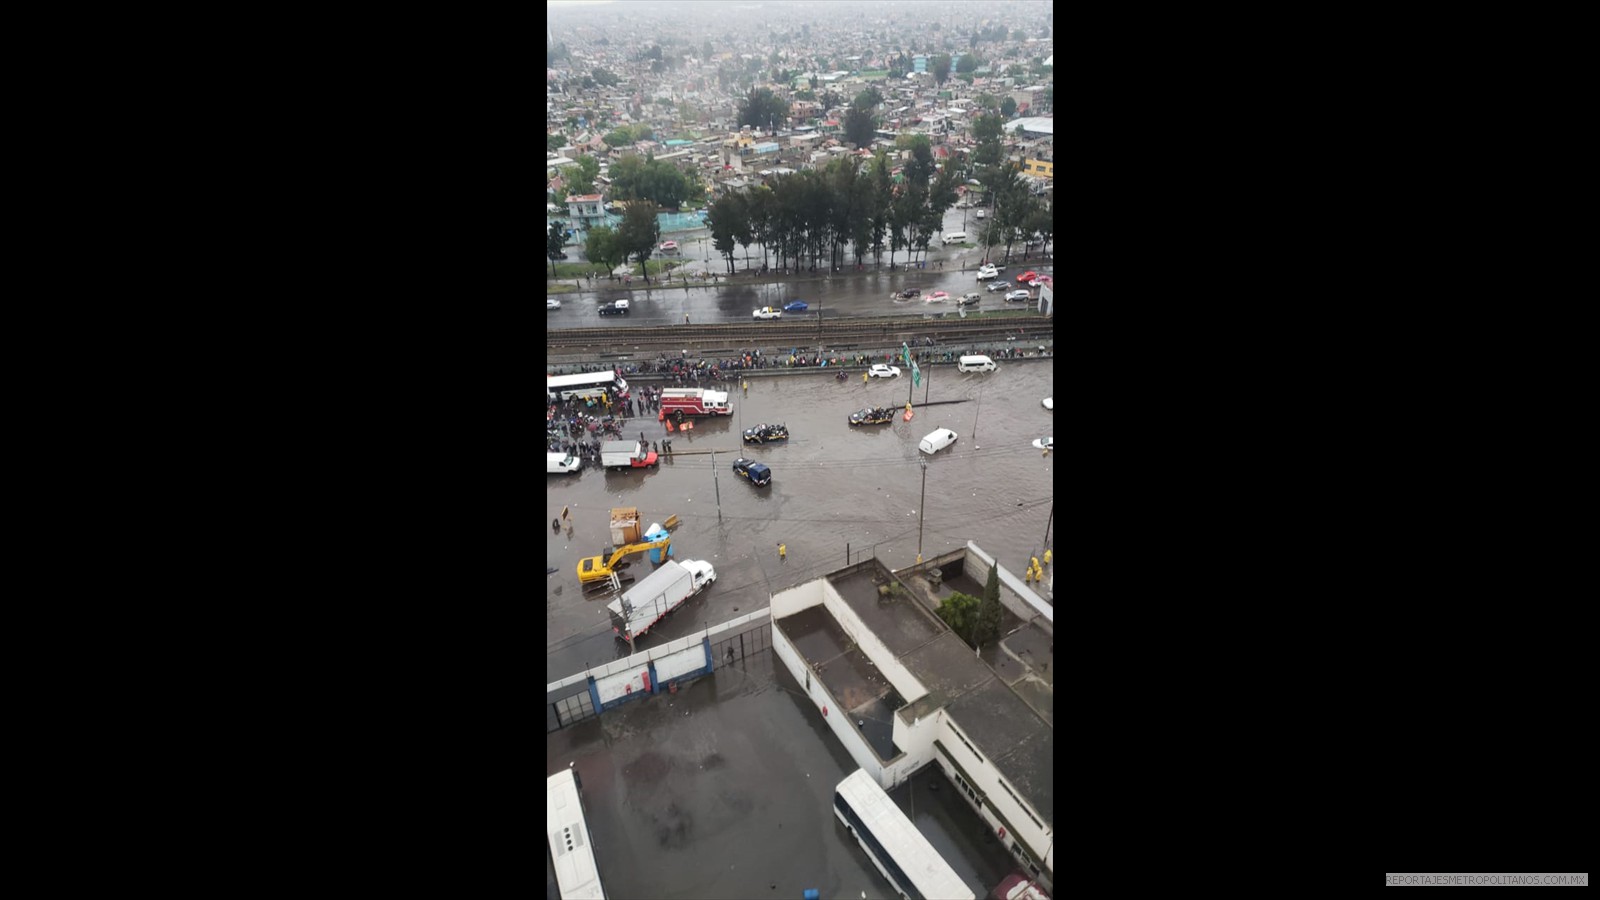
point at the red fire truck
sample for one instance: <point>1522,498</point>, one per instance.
<point>695,402</point>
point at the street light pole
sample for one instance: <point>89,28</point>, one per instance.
<point>921,510</point>
<point>717,484</point>
<point>975,419</point>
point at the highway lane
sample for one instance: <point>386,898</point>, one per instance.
<point>851,295</point>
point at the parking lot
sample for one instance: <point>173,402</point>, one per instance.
<point>834,489</point>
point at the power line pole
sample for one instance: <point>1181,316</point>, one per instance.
<point>975,445</point>
<point>1047,524</point>
<point>717,484</point>
<point>922,509</point>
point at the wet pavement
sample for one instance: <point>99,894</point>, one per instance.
<point>867,294</point>
<point>834,487</point>
<point>725,789</point>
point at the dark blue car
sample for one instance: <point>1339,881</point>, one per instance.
<point>796,306</point>
<point>758,474</point>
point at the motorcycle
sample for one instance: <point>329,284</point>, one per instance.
<point>839,377</point>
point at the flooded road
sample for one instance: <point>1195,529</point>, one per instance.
<point>833,487</point>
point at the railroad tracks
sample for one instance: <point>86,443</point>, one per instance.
<point>855,330</point>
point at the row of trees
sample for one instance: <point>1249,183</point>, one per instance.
<point>820,212</point>
<point>860,207</point>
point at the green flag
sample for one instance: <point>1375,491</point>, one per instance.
<point>916,376</point>
<point>905,354</point>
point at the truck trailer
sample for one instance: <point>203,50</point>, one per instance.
<point>626,455</point>
<point>647,602</point>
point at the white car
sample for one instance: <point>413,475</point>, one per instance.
<point>882,371</point>
<point>1049,403</point>
<point>767,312</point>
<point>1016,295</point>
<point>988,272</point>
<point>1045,443</point>
<point>552,303</point>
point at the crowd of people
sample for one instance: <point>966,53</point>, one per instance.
<point>693,371</point>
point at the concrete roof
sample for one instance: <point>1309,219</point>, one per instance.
<point>1011,735</point>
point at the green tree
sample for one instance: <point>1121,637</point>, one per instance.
<point>1008,107</point>
<point>705,51</point>
<point>941,69</point>
<point>605,78</point>
<point>728,218</point>
<point>990,612</point>
<point>557,238</point>
<point>556,141</point>
<point>582,180</point>
<point>859,126</point>
<point>868,99</point>
<point>639,233</point>
<point>760,108</point>
<point>960,612</point>
<point>968,64</point>
<point>601,246</point>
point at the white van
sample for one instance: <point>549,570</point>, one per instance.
<point>937,441</point>
<point>563,463</point>
<point>975,364</point>
<point>954,237</point>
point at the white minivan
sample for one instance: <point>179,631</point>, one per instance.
<point>954,237</point>
<point>937,441</point>
<point>975,364</point>
<point>563,463</point>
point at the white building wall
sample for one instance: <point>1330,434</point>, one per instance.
<point>916,743</point>
<point>797,598</point>
<point>897,674</point>
<point>675,664</point>
<point>613,687</point>
<point>837,720</point>
<point>985,778</point>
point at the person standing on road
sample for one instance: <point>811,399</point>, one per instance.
<point>783,552</point>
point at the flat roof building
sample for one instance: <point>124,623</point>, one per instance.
<point>901,690</point>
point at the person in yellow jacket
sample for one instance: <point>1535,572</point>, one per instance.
<point>1047,557</point>
<point>863,378</point>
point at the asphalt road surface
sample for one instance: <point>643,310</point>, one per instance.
<point>833,486</point>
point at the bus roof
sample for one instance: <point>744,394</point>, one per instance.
<point>911,851</point>
<point>580,379</point>
<point>568,836</point>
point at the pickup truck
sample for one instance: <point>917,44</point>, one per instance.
<point>619,308</point>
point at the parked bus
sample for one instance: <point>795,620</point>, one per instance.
<point>585,384</point>
<point>895,846</point>
<point>571,851</point>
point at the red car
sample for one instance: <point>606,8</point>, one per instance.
<point>1027,277</point>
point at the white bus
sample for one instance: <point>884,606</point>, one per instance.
<point>570,849</point>
<point>584,384</point>
<point>895,846</point>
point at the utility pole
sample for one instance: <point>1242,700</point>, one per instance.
<point>716,484</point>
<point>926,383</point>
<point>922,509</point>
<point>1047,522</point>
<point>975,419</point>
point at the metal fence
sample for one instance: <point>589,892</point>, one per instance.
<point>568,702</point>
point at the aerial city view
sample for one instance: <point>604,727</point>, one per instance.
<point>799,401</point>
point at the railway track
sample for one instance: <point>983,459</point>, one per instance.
<point>803,333</point>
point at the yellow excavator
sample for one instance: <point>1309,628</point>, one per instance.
<point>597,567</point>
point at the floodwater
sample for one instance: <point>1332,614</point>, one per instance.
<point>834,487</point>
